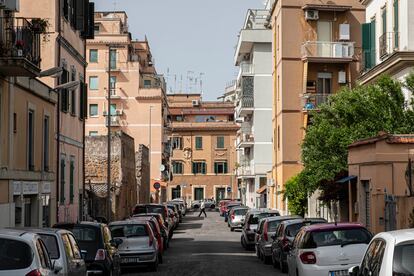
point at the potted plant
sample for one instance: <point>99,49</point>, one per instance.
<point>40,25</point>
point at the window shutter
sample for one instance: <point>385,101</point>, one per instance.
<point>194,168</point>
<point>71,179</point>
<point>89,20</point>
<point>66,9</point>
<point>396,24</point>
<point>80,14</point>
<point>225,167</point>
<point>373,43</point>
<point>62,181</point>
<point>366,44</point>
<point>203,168</point>
<point>215,167</point>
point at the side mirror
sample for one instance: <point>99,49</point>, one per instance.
<point>56,267</point>
<point>273,236</point>
<point>116,242</point>
<point>84,253</point>
<point>353,271</point>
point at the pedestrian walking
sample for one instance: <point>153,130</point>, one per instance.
<point>203,209</point>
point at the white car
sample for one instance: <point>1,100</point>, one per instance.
<point>327,249</point>
<point>389,253</point>
<point>23,253</point>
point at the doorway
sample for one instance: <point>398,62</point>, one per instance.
<point>175,193</point>
<point>198,193</point>
<point>324,38</point>
<point>220,194</point>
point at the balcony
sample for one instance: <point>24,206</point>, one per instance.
<point>19,48</point>
<point>245,140</point>
<point>245,103</point>
<point>115,93</point>
<point>388,44</point>
<point>321,51</point>
<point>312,101</point>
<point>115,121</point>
<point>246,68</point>
<point>246,170</point>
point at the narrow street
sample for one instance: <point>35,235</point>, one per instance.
<point>205,246</point>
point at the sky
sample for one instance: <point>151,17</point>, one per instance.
<point>188,38</point>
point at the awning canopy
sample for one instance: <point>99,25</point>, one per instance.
<point>262,189</point>
<point>346,179</point>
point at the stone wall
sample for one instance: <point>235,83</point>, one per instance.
<point>143,173</point>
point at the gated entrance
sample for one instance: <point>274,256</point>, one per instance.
<point>390,212</point>
<point>220,194</point>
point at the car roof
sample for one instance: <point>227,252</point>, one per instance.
<point>129,221</point>
<point>276,218</point>
<point>88,223</point>
<point>398,236</point>
<point>240,208</point>
<point>302,220</point>
<point>15,232</point>
<point>44,230</point>
<point>332,226</point>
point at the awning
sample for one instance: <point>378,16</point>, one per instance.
<point>262,189</point>
<point>346,179</point>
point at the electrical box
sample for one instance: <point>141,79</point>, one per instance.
<point>342,77</point>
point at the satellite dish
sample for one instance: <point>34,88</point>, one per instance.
<point>162,168</point>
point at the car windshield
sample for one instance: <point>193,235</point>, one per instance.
<point>403,259</point>
<point>272,225</point>
<point>254,219</point>
<point>85,234</point>
<point>240,212</point>
<point>128,230</point>
<point>14,254</point>
<point>293,229</point>
<point>340,237</point>
<point>51,245</point>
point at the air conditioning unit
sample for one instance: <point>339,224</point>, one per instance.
<point>311,15</point>
<point>105,113</point>
<point>342,77</point>
<point>196,102</point>
<point>11,5</point>
<point>119,112</point>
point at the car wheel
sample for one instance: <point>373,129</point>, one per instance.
<point>274,262</point>
<point>243,242</point>
<point>282,265</point>
<point>297,272</point>
<point>257,252</point>
<point>154,266</point>
<point>232,229</point>
<point>213,206</point>
<point>160,258</point>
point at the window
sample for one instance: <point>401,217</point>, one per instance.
<point>19,254</point>
<point>396,24</point>
<point>113,85</point>
<point>324,85</point>
<point>178,167</point>
<point>203,118</point>
<point>113,109</point>
<point>199,142</point>
<point>112,57</point>
<point>199,167</point>
<point>66,9</point>
<point>62,179</point>
<point>71,179</point>
<point>96,29</point>
<point>368,44</point>
<point>93,133</point>
<point>30,140</point>
<point>73,95</point>
<point>220,167</point>
<point>93,110</point>
<point>43,254</point>
<point>75,248</point>
<point>179,118</point>
<point>64,93</point>
<point>384,20</point>
<point>93,55</point>
<point>83,100</point>
<point>220,142</point>
<point>177,143</point>
<point>278,137</point>
<point>67,246</point>
<point>51,244</point>
<point>147,83</point>
<point>46,143</point>
<point>371,263</point>
<point>403,261</point>
<point>93,83</point>
<point>176,192</point>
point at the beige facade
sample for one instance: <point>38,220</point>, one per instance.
<point>138,100</point>
<point>204,154</point>
<point>316,51</point>
<point>379,191</point>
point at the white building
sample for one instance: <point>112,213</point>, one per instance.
<point>388,40</point>
<point>253,103</point>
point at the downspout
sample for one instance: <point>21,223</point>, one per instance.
<point>83,217</point>
<point>58,117</point>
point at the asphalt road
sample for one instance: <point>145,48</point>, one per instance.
<point>205,246</point>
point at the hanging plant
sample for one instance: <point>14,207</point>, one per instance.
<point>40,25</point>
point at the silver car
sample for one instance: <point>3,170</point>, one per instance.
<point>139,245</point>
<point>265,230</point>
<point>236,218</point>
<point>23,253</point>
<point>63,250</point>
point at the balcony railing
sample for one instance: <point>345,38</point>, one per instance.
<point>388,43</point>
<point>246,68</point>
<point>245,170</point>
<point>115,121</point>
<point>312,101</point>
<point>20,42</point>
<point>322,49</point>
<point>115,93</point>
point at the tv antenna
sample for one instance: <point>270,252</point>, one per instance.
<point>115,5</point>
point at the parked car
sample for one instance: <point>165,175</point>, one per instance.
<point>265,230</point>
<point>164,229</point>
<point>139,245</point>
<point>228,207</point>
<point>221,206</point>
<point>174,218</point>
<point>196,204</point>
<point>210,203</point>
<point>23,253</point>
<point>283,238</point>
<point>99,249</point>
<point>389,253</point>
<point>183,205</point>
<point>177,213</point>
<point>63,250</point>
<point>327,249</point>
<point>156,229</point>
<point>179,207</point>
<point>151,208</point>
<point>236,218</point>
<point>249,226</point>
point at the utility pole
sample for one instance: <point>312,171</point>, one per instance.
<point>108,116</point>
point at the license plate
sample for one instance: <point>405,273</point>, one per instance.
<point>339,273</point>
<point>129,260</point>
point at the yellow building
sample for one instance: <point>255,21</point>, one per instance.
<point>204,155</point>
<point>316,51</point>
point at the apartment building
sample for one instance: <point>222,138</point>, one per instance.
<point>63,46</point>
<point>388,40</point>
<point>27,127</point>
<point>203,139</point>
<point>253,109</point>
<point>138,104</point>
<point>316,51</point>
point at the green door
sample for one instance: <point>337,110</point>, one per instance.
<point>220,194</point>
<point>198,193</point>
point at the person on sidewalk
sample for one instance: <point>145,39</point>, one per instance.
<point>203,209</point>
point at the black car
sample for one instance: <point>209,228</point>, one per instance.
<point>283,239</point>
<point>151,208</point>
<point>98,248</point>
<point>176,211</point>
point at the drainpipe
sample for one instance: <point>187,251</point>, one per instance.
<point>58,117</point>
<point>83,216</point>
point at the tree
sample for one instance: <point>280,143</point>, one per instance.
<point>350,115</point>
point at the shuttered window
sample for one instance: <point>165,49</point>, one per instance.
<point>64,93</point>
<point>71,179</point>
<point>220,167</point>
<point>62,180</point>
<point>199,142</point>
<point>199,167</point>
<point>220,142</point>
<point>368,44</point>
<point>396,24</point>
<point>177,167</point>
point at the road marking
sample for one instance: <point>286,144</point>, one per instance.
<point>223,254</point>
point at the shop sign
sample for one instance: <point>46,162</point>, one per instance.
<point>30,188</point>
<point>46,187</point>
<point>17,188</point>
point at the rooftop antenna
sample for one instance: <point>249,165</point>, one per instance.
<point>115,5</point>
<point>201,83</point>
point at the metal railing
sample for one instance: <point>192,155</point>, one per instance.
<point>115,121</point>
<point>388,43</point>
<point>245,170</point>
<point>312,101</point>
<point>246,68</point>
<point>323,49</point>
<point>19,39</point>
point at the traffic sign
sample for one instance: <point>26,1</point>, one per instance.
<point>157,185</point>
<point>229,189</point>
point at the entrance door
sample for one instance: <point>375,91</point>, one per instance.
<point>198,193</point>
<point>220,194</point>
<point>176,193</point>
<point>27,214</point>
<point>324,38</point>
<point>324,87</point>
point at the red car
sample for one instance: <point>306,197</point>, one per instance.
<point>222,203</point>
